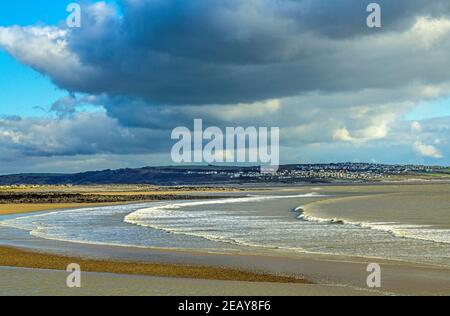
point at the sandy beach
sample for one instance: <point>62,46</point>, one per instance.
<point>12,257</point>
<point>111,269</point>
<point>9,209</point>
<point>26,199</point>
<point>30,282</point>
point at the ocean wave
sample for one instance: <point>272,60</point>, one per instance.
<point>142,213</point>
<point>146,218</point>
<point>400,230</point>
<point>209,225</point>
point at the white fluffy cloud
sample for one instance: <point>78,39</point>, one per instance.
<point>80,134</point>
<point>427,150</point>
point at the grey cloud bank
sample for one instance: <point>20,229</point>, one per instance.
<point>204,52</point>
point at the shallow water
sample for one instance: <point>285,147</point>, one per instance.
<point>419,214</point>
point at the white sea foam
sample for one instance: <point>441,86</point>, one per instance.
<point>214,225</point>
<point>401,230</point>
<point>169,218</point>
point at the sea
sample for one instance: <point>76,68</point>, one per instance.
<point>276,222</point>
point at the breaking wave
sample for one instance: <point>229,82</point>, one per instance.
<point>418,232</point>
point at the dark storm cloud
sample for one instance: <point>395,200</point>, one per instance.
<point>347,18</point>
<point>203,52</point>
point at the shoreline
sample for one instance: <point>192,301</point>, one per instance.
<point>399,277</point>
<point>23,209</point>
<point>335,273</point>
<point>14,257</point>
<point>27,199</point>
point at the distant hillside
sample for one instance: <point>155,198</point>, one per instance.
<point>147,175</point>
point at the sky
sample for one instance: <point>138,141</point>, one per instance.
<point>108,94</point>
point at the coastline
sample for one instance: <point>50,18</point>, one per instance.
<point>21,258</point>
<point>325,274</point>
<point>334,272</point>
<point>14,209</point>
<point>27,199</point>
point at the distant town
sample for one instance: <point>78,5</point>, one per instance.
<point>337,171</point>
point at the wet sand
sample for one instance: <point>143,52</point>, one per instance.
<point>31,282</point>
<point>13,257</point>
<point>9,209</point>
